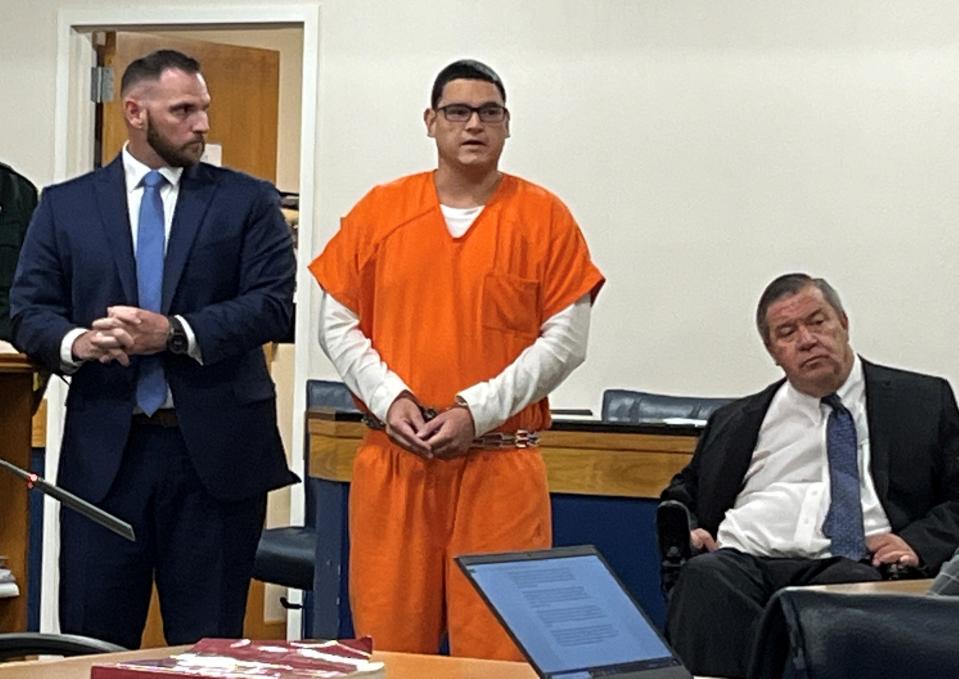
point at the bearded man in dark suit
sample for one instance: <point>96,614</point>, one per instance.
<point>153,283</point>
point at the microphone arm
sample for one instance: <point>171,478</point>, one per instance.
<point>95,514</point>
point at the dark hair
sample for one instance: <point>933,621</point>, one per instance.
<point>152,66</point>
<point>788,285</point>
<point>465,69</point>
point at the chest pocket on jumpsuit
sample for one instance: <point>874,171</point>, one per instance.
<point>511,303</point>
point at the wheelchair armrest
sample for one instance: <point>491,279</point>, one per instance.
<point>672,536</point>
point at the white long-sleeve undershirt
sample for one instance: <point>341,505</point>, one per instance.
<point>538,370</point>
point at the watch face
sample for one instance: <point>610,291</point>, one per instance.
<point>178,344</point>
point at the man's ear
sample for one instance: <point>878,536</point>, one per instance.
<point>429,119</point>
<point>134,113</point>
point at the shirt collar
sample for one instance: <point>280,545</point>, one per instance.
<point>854,386</point>
<point>135,171</point>
<point>851,391</point>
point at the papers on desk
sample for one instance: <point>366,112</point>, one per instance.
<point>684,421</point>
<point>229,658</point>
<point>8,583</point>
<point>573,414</point>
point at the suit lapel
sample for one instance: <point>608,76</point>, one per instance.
<point>736,444</point>
<point>880,409</point>
<point>111,198</point>
<point>745,433</point>
<point>197,186</point>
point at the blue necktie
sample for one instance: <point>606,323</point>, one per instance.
<point>151,383</point>
<point>843,524</point>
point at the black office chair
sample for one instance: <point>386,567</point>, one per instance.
<point>806,633</point>
<point>672,536</point>
<point>285,555</point>
<point>24,644</point>
<point>672,518</point>
<point>634,407</point>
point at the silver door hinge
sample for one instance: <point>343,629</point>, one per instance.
<point>101,84</point>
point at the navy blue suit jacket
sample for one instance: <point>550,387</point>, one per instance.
<point>229,271</point>
<point>914,458</point>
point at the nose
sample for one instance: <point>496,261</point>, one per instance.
<point>473,121</point>
<point>201,123</point>
<point>805,337</point>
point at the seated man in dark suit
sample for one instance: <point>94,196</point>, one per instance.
<point>829,475</point>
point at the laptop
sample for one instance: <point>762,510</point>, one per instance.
<point>570,615</point>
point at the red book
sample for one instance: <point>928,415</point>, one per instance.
<point>242,658</point>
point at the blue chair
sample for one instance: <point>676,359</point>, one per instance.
<point>286,554</point>
<point>635,407</point>
<point>329,394</point>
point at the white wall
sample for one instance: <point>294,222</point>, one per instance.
<point>705,147</point>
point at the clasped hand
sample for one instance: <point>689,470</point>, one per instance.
<point>125,331</point>
<point>447,435</point>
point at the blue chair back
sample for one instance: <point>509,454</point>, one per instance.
<point>329,394</point>
<point>634,407</point>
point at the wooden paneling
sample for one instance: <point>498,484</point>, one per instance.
<point>38,435</point>
<point>16,398</point>
<point>608,463</point>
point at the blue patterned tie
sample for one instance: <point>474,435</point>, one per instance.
<point>151,383</point>
<point>843,524</point>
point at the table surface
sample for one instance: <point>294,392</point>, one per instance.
<point>884,587</point>
<point>399,666</point>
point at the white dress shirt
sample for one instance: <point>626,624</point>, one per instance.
<point>538,370</point>
<point>134,172</point>
<point>785,496</point>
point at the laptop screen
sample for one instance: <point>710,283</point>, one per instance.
<point>567,611</point>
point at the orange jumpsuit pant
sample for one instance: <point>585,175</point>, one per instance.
<point>409,517</point>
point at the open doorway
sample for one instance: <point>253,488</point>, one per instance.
<point>289,34</point>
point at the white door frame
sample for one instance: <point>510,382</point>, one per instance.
<point>73,144</point>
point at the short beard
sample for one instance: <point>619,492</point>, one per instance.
<point>174,157</point>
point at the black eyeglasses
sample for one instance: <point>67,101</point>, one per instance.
<point>460,113</point>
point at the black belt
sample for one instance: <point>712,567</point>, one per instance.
<point>165,417</point>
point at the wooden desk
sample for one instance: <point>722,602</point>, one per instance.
<point>398,666</point>
<point>605,480</point>
<point>585,458</point>
<point>16,401</point>
<point>884,587</point>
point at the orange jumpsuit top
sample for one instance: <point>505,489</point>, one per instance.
<point>445,313</point>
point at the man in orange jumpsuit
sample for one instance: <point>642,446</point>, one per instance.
<point>453,302</point>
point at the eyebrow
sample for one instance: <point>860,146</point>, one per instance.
<point>463,103</point>
<point>179,103</point>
